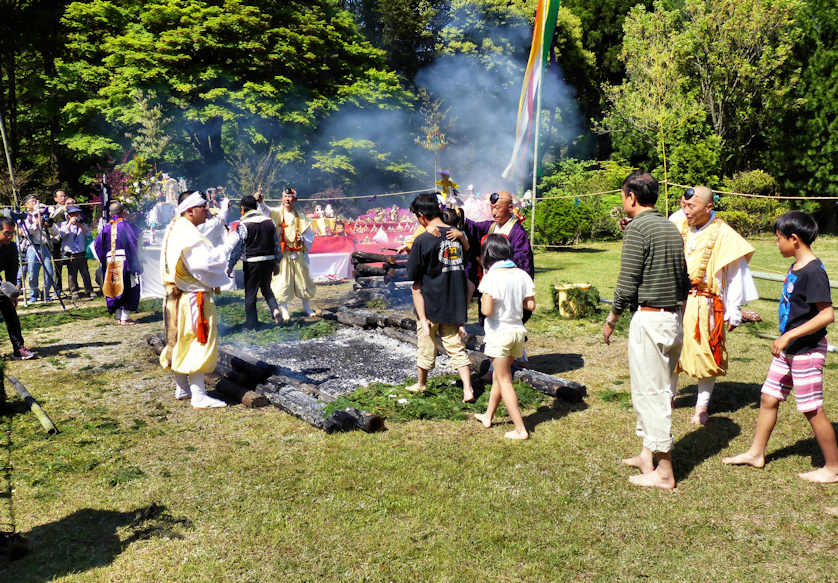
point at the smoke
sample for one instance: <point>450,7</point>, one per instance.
<point>480,92</point>
<point>366,150</point>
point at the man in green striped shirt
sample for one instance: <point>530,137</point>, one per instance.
<point>653,280</point>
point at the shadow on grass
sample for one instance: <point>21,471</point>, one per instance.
<point>555,362</point>
<point>702,444</point>
<point>569,249</point>
<point>156,316</point>
<point>727,397</point>
<point>58,348</point>
<point>803,448</point>
<point>88,539</point>
<point>552,412</point>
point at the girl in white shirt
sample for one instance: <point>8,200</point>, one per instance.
<point>507,291</point>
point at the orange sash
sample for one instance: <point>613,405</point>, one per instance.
<point>718,331</point>
<point>201,326</point>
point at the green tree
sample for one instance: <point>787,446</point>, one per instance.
<point>652,108</point>
<point>739,54</point>
<point>803,152</point>
<point>271,71</point>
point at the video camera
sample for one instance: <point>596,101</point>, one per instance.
<point>20,215</point>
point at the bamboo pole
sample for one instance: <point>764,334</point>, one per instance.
<point>8,160</point>
<point>46,422</point>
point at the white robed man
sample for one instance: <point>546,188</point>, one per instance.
<point>295,239</point>
<point>191,270</point>
<point>720,283</point>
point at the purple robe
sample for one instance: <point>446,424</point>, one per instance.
<point>126,240</point>
<point>521,250</point>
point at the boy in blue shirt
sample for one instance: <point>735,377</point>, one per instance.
<point>800,352</point>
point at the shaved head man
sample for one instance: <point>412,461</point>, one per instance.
<point>720,283</point>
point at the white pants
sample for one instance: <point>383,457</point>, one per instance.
<point>654,346</point>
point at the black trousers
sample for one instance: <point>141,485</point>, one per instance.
<point>12,323</point>
<point>77,264</point>
<point>257,277</point>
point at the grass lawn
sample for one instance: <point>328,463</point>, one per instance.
<point>140,487</point>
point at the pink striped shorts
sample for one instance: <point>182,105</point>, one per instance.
<point>803,372</point>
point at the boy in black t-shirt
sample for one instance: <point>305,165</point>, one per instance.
<point>800,352</point>
<point>436,267</point>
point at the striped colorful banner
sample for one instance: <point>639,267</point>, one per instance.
<point>542,38</point>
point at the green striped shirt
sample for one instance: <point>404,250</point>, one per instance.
<point>653,271</point>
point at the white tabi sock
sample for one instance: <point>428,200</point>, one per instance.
<point>283,311</point>
<point>307,308</point>
<point>200,399</point>
<point>705,390</point>
<point>182,387</point>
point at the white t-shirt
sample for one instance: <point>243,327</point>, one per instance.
<point>508,286</point>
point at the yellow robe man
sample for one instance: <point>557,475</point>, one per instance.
<point>708,253</point>
<point>295,236</point>
<point>191,268</point>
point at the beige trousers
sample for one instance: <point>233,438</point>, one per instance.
<point>451,341</point>
<point>655,340</point>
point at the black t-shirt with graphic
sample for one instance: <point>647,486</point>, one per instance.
<point>437,264</point>
<point>802,290</point>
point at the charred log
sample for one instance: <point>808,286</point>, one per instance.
<point>480,363</point>
<point>245,364</point>
<point>367,257</point>
<point>297,403</point>
<point>237,393</point>
<point>364,421</point>
<point>552,386</point>
<point>367,269</point>
<point>400,335</point>
<point>358,318</point>
<point>372,281</point>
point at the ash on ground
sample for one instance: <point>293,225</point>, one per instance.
<point>350,358</point>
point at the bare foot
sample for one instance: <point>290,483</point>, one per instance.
<point>653,480</point>
<point>415,388</point>
<point>468,396</point>
<point>699,418</point>
<point>821,476</point>
<point>644,463</point>
<point>745,459</point>
<point>515,434</point>
<point>484,419</point>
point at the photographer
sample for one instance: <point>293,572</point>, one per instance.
<point>8,291</point>
<point>58,214</point>
<point>41,231</point>
<point>74,234</point>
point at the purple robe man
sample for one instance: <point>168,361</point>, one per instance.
<point>125,248</point>
<point>504,223</point>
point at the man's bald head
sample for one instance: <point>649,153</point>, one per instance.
<point>501,203</point>
<point>698,207</point>
<point>704,194</point>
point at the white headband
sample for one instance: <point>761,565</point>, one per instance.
<point>191,201</point>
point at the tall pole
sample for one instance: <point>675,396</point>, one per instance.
<point>8,159</point>
<point>535,158</point>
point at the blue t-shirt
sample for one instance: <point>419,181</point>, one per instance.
<point>803,289</point>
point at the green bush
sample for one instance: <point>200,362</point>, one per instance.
<point>749,216</point>
<point>578,217</point>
